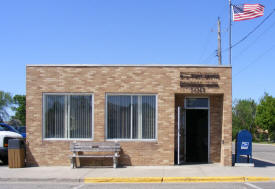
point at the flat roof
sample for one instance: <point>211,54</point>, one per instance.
<point>128,65</point>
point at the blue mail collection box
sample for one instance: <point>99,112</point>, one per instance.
<point>243,146</point>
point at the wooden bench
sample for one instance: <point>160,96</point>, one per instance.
<point>112,147</point>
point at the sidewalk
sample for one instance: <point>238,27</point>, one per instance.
<point>184,173</point>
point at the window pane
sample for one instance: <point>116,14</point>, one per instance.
<point>3,128</point>
<point>54,116</point>
<point>119,116</point>
<point>136,127</point>
<point>80,116</point>
<point>197,103</point>
<point>148,117</point>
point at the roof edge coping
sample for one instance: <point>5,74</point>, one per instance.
<point>127,65</point>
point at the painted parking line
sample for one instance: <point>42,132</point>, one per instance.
<point>260,159</point>
<point>79,186</point>
<point>252,185</point>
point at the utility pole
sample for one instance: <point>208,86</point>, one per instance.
<point>219,42</point>
<point>230,32</point>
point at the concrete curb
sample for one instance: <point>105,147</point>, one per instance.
<point>41,180</point>
<point>273,144</point>
<point>258,179</point>
<point>175,179</point>
<point>124,180</point>
<point>143,179</point>
<point>203,179</point>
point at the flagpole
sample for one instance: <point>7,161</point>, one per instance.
<point>230,14</point>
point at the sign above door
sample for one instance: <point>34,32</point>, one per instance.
<point>197,82</point>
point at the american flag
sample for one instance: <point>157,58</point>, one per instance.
<point>247,11</point>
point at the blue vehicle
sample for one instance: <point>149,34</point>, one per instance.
<point>12,129</point>
<point>22,130</point>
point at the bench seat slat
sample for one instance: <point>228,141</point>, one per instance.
<point>85,150</point>
<point>91,147</point>
<point>80,156</point>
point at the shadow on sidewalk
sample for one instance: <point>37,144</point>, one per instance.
<point>257,163</point>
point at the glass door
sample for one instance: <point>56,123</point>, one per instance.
<point>180,135</point>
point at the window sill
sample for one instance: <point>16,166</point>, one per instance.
<point>132,140</point>
<point>67,139</point>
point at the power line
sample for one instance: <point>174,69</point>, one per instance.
<point>209,39</point>
<point>252,31</point>
<point>207,42</point>
<point>212,55</point>
<point>245,37</point>
<point>255,60</point>
<point>254,41</point>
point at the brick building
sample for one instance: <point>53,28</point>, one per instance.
<point>160,114</point>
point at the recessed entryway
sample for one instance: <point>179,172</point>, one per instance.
<point>192,131</point>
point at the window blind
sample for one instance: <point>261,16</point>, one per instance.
<point>68,116</point>
<point>131,116</point>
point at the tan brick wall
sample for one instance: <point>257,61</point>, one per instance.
<point>215,127</point>
<point>163,81</point>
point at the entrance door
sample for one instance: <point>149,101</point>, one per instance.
<point>197,129</point>
<point>180,136</point>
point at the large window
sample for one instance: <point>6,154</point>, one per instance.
<point>68,116</point>
<point>131,116</point>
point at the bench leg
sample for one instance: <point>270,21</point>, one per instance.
<point>73,163</point>
<point>115,162</point>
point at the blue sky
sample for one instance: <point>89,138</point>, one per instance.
<point>134,32</point>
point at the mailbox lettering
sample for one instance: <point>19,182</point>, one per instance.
<point>244,145</point>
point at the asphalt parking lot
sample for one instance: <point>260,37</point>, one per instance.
<point>263,154</point>
<point>30,185</point>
